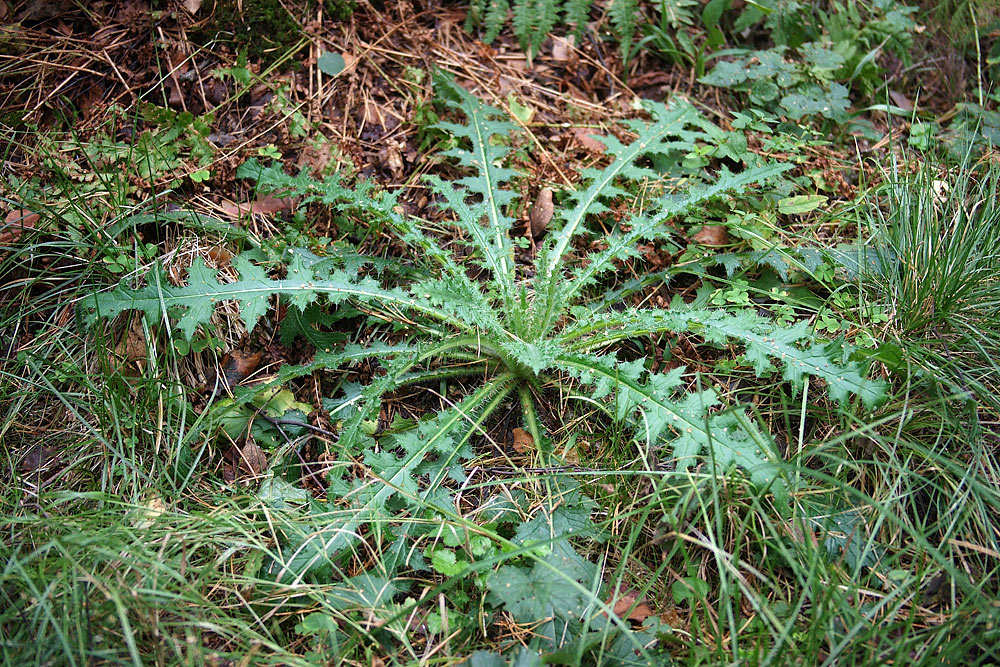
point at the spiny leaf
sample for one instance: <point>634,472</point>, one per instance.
<point>530,594</point>
<point>486,125</point>
<point>391,475</point>
<point>687,422</point>
<point>194,303</point>
<point>767,343</point>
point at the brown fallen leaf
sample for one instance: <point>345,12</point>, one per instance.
<point>901,100</point>
<point>216,92</point>
<point>562,47</point>
<point>391,160</point>
<point>585,138</point>
<point>252,459</point>
<point>571,455</point>
<point>37,458</point>
<point>629,600</point>
<point>264,205</point>
<point>522,441</point>
<point>15,223</point>
<point>132,347</point>
<point>650,79</point>
<point>672,619</point>
<point>711,235</point>
<point>237,365</point>
<point>541,213</point>
<point>220,256</point>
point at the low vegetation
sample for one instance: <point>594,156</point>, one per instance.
<point>335,352</point>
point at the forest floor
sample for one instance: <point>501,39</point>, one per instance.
<point>190,483</point>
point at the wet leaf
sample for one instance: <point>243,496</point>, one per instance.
<point>628,602</point>
<point>331,64</point>
<point>711,235</point>
<point>541,213</point>
<point>252,458</point>
<point>238,365</point>
<point>522,441</point>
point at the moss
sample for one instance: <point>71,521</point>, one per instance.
<point>264,28</point>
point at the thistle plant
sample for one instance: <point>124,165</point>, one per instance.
<point>519,330</point>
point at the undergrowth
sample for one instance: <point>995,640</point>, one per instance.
<point>816,486</point>
<point>519,331</point>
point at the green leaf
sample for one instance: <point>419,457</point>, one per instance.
<point>570,652</point>
<point>278,493</point>
<point>330,63</point>
<point>530,594</point>
<point>690,589</point>
<point>316,550</point>
<point>730,439</point>
<point>520,111</point>
<point>800,204</point>
<point>194,304</point>
<point>361,593</point>
<point>444,561</point>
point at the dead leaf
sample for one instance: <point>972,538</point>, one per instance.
<point>349,61</point>
<point>649,79</point>
<point>15,223</point>
<point>192,5</point>
<point>562,47</point>
<point>940,191</point>
<point>175,275</point>
<point>571,455</point>
<point>38,457</point>
<point>216,91</point>
<point>219,256</point>
<point>629,600</point>
<point>541,213</point>
<point>174,96</point>
<point>237,366</point>
<point>316,157</point>
<point>132,348</point>
<point>392,161</point>
<point>901,100</point>
<point>711,235</point>
<point>252,458</point>
<point>672,619</point>
<point>149,511</point>
<point>522,441</point>
<point>585,138</point>
<point>264,205</point>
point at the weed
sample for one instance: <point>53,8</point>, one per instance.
<point>520,331</point>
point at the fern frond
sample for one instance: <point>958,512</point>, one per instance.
<point>678,13</point>
<point>495,18</point>
<point>624,18</point>
<point>576,13</point>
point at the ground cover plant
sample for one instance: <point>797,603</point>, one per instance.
<point>373,361</point>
